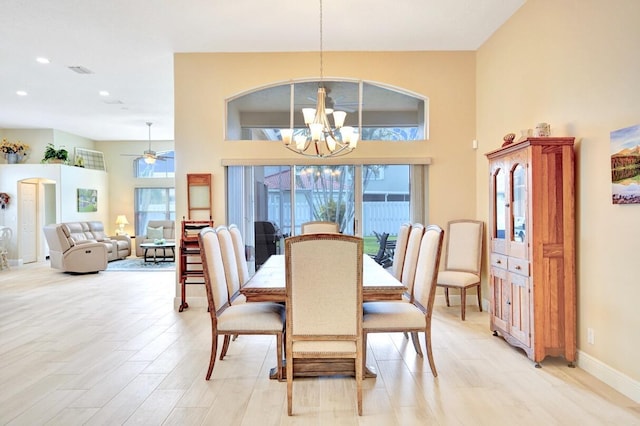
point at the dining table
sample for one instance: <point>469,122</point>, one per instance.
<point>268,285</point>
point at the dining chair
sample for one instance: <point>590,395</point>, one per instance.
<point>240,251</point>
<point>414,316</point>
<point>462,261</point>
<point>324,303</point>
<point>411,257</point>
<point>381,257</point>
<point>230,265</point>
<point>400,250</point>
<point>317,227</point>
<point>226,320</point>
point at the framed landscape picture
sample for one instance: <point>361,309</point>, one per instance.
<point>87,200</point>
<point>625,165</point>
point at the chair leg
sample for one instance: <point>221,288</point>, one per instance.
<point>406,335</point>
<point>359,376</point>
<point>289,361</point>
<point>416,343</point>
<point>446,295</point>
<point>479,297</point>
<point>279,355</point>
<point>427,339</point>
<point>225,346</point>
<point>463,302</point>
<point>214,350</point>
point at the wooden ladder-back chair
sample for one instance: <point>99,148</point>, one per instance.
<point>415,316</point>
<point>400,250</point>
<point>228,320</point>
<point>317,227</point>
<point>324,303</point>
<point>462,260</point>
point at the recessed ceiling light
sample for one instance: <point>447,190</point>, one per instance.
<point>43,60</point>
<point>21,93</point>
<point>103,93</point>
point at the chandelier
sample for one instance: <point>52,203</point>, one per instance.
<point>319,139</point>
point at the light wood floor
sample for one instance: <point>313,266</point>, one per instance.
<point>110,349</point>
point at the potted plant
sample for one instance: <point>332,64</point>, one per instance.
<point>53,155</point>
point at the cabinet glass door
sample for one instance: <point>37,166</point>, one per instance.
<point>518,204</point>
<point>500,224</point>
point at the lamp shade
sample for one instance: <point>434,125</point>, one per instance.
<point>122,220</point>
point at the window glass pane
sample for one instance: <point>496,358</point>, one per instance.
<point>325,193</point>
<point>386,203</point>
<point>164,166</point>
<point>391,115</point>
<point>259,115</point>
<point>153,204</point>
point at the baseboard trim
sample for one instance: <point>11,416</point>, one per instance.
<point>612,377</point>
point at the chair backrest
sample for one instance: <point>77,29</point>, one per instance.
<point>318,227</point>
<point>228,260</point>
<point>401,249</point>
<point>213,271</point>
<point>382,247</point>
<point>241,258</point>
<point>464,246</point>
<point>424,290</point>
<point>411,256</point>
<point>324,287</point>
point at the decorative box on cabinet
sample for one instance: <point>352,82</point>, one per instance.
<point>532,247</point>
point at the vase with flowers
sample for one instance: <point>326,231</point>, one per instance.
<point>14,152</point>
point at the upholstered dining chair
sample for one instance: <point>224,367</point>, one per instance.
<point>230,262</point>
<point>324,303</point>
<point>227,320</point>
<point>401,249</point>
<point>411,257</point>
<point>462,261</point>
<point>414,316</point>
<point>241,257</point>
<point>317,227</point>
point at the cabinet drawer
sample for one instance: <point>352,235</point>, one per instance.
<point>518,266</point>
<point>499,260</point>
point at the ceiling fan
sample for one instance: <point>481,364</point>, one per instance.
<point>149,156</point>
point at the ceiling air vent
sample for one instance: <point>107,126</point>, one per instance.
<point>80,69</point>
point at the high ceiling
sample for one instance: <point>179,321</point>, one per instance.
<point>128,47</point>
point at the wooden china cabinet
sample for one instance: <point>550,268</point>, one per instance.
<point>532,246</point>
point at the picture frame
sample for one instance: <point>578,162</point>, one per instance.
<point>625,165</point>
<point>87,200</point>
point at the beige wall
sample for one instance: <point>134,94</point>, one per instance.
<point>204,81</point>
<point>576,65</point>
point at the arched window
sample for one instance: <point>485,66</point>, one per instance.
<point>379,112</point>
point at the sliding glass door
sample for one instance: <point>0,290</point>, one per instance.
<point>365,200</point>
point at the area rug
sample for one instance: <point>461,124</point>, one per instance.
<point>138,264</point>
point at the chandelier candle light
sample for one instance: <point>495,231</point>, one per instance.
<point>319,135</point>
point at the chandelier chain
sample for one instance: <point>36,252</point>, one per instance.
<point>321,45</point>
